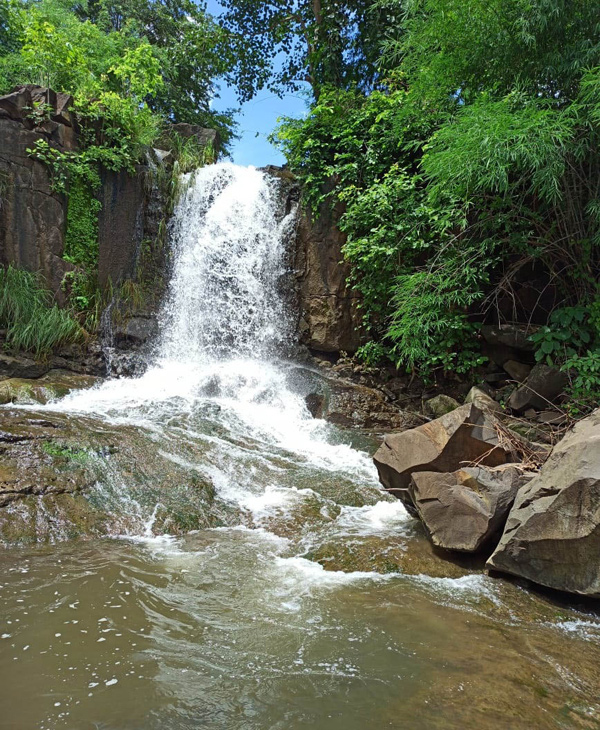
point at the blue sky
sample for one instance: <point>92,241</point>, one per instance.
<point>256,119</point>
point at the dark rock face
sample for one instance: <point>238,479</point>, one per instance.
<point>329,317</point>
<point>465,435</point>
<point>465,509</point>
<point>120,224</point>
<point>512,336</point>
<point>32,215</point>
<point>204,136</point>
<point>21,367</point>
<point>137,330</point>
<point>552,535</point>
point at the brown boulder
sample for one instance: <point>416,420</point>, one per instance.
<point>483,400</point>
<point>552,534</point>
<point>457,439</point>
<point>464,510</point>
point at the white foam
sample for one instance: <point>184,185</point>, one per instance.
<point>587,629</point>
<point>381,519</point>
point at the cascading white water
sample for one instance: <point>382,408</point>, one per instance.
<point>224,326</point>
<point>229,257</point>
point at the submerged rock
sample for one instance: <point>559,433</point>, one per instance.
<point>465,509</point>
<point>55,384</point>
<point>63,475</point>
<point>411,554</point>
<point>552,535</point>
<point>457,439</point>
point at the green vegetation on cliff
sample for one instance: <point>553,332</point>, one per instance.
<point>131,67</point>
<point>470,173</point>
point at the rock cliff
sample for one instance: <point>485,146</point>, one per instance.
<point>330,319</point>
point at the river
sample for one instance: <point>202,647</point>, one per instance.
<point>312,599</point>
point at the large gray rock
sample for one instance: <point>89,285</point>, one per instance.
<point>543,385</point>
<point>466,509</point>
<point>451,442</point>
<point>552,534</point>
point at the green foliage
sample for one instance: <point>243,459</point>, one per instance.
<point>452,51</point>
<point>81,240</point>
<point>584,382</point>
<point>192,49</point>
<point>360,155</point>
<point>476,159</point>
<point>33,322</point>
<point>68,453</point>
<point>190,153</point>
<point>570,331</point>
<point>372,353</point>
<point>133,63</point>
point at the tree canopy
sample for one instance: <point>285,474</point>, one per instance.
<point>286,44</point>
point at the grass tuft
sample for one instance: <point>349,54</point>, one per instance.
<point>33,322</point>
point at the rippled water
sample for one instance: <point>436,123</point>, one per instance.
<point>318,602</point>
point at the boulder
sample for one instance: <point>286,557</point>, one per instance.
<point>482,400</point>
<point>517,370</point>
<point>440,405</point>
<point>467,508</point>
<point>552,535</point>
<point>543,385</point>
<point>53,385</point>
<point>62,113</point>
<point>455,440</point>
<point>350,405</point>
<point>16,103</point>
<point>136,330</point>
<point>509,335</point>
<point>21,367</point>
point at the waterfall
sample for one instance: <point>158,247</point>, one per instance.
<point>229,257</point>
<point>220,365</point>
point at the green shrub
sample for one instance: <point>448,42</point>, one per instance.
<point>583,390</point>
<point>33,322</point>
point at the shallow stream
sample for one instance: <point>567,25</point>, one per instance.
<point>310,598</point>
